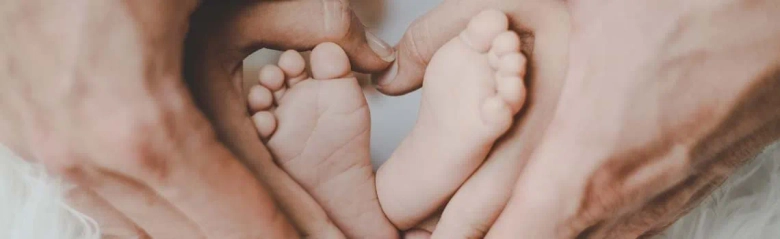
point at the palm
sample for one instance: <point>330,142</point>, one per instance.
<point>683,117</point>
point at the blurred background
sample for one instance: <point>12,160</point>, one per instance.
<point>391,117</point>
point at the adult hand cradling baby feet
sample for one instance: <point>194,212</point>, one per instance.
<point>607,124</point>
<point>216,52</point>
<point>155,155</point>
<point>647,124</point>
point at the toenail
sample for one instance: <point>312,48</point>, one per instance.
<point>381,48</point>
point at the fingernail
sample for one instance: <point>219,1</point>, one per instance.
<point>387,76</point>
<point>381,48</point>
<point>334,15</point>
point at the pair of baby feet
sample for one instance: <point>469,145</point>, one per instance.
<point>318,127</point>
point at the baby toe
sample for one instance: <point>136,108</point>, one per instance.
<point>506,43</point>
<point>483,28</point>
<point>294,67</point>
<point>512,64</point>
<point>497,115</point>
<point>265,122</point>
<point>259,98</point>
<point>512,91</point>
<point>272,77</point>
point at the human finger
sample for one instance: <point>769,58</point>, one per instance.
<point>301,25</point>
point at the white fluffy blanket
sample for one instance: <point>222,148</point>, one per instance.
<point>32,204</point>
<point>746,206</point>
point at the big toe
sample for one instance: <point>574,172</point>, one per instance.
<point>329,61</point>
<point>483,28</point>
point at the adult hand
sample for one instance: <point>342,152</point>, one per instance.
<point>145,156</point>
<point>93,90</point>
<point>223,34</point>
<point>543,28</point>
<point>663,100</point>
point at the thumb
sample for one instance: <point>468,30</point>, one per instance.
<point>301,25</point>
<point>423,38</point>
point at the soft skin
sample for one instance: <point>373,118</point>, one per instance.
<point>655,113</point>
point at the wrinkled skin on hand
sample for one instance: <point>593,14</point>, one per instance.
<point>93,90</point>
<point>663,100</point>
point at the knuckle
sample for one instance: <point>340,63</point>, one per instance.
<point>144,165</point>
<point>417,42</point>
<point>125,231</point>
<point>58,159</point>
<point>136,148</point>
<point>65,166</point>
<point>478,230</point>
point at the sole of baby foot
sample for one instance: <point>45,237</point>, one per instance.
<point>318,130</point>
<point>473,87</point>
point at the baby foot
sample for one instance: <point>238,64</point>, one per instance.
<point>318,131</point>
<point>472,89</point>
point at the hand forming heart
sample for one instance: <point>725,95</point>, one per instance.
<point>655,103</point>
